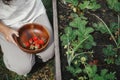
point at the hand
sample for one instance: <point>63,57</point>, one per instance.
<point>8,34</point>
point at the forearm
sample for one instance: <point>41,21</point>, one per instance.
<point>3,27</point>
<point>8,32</point>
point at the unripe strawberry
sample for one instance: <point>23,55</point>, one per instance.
<point>37,46</point>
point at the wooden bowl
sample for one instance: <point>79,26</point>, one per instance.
<point>33,38</point>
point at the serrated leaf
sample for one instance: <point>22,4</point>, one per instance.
<point>74,70</point>
<point>68,36</point>
<point>114,4</point>
<point>89,70</point>
<point>110,76</point>
<point>89,43</point>
<point>88,30</point>
<point>89,4</point>
<point>78,23</point>
<point>100,27</point>
<point>73,2</point>
<point>97,77</point>
<point>109,51</point>
<point>117,61</point>
<point>103,72</point>
<point>84,5</point>
<point>94,69</point>
<point>114,27</point>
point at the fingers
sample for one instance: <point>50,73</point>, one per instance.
<point>10,39</point>
<point>9,35</point>
<point>13,41</point>
<point>16,33</point>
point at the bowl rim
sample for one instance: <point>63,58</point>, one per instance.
<point>28,50</point>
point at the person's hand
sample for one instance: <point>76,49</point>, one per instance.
<point>8,34</point>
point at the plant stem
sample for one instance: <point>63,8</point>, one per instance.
<point>76,48</point>
<point>107,29</point>
<point>71,56</point>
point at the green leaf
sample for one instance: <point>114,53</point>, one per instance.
<point>82,32</point>
<point>114,4</point>
<point>68,36</point>
<point>89,4</point>
<point>103,72</point>
<point>119,40</point>
<point>74,70</point>
<point>88,31</point>
<point>105,75</point>
<point>78,23</point>
<point>109,60</point>
<point>84,5</point>
<point>100,27</point>
<point>114,27</point>
<point>94,69</point>
<point>90,70</point>
<point>89,43</point>
<point>110,76</point>
<point>97,77</point>
<point>109,51</point>
<point>73,2</point>
<point>117,61</point>
<point>74,15</point>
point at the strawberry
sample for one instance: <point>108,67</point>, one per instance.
<point>30,40</point>
<point>95,61</point>
<point>26,44</point>
<point>41,42</point>
<point>37,46</point>
<point>32,46</point>
<point>35,38</point>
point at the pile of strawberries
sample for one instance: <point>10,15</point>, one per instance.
<point>34,43</point>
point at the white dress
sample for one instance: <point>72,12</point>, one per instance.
<point>18,13</point>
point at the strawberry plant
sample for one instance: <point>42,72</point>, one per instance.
<point>84,5</point>
<point>114,4</point>
<point>111,52</point>
<point>89,4</point>
<point>90,39</point>
<point>74,40</point>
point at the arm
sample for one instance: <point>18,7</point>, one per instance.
<point>8,32</point>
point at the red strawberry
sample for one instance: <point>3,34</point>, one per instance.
<point>41,42</point>
<point>35,38</point>
<point>30,40</point>
<point>36,42</point>
<point>95,61</point>
<point>26,44</point>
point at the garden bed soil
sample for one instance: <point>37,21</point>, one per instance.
<point>101,39</point>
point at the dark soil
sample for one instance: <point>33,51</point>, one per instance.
<point>101,39</point>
